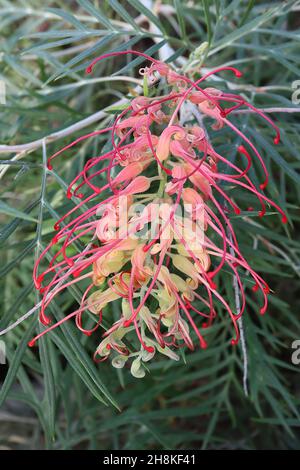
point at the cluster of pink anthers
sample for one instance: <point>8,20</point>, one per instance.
<point>164,284</point>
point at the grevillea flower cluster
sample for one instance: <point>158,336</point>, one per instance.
<point>154,238</point>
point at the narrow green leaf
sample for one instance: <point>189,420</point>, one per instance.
<point>180,18</point>
<point>141,8</point>
<point>49,400</point>
<point>206,5</point>
<point>77,356</point>
<point>247,11</point>
<point>245,29</point>
<point>124,14</point>
<point>65,69</point>
<point>14,262</point>
<point>11,312</point>
<point>152,50</point>
<point>16,361</point>
<point>97,13</point>
<point>68,17</point>
<point>8,210</point>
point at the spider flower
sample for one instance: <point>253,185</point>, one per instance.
<point>153,216</point>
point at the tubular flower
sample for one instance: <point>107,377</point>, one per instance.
<point>154,245</point>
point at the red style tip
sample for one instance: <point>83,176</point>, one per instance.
<point>204,325</point>
<point>263,310</point>
<point>255,287</point>
<point>262,213</point>
<point>234,342</point>
<point>56,226</point>
<point>276,140</point>
<point>263,185</point>
<point>54,240</point>
<point>70,262</point>
<point>250,209</point>
<point>150,349</point>
<point>45,321</point>
<point>89,69</point>
<point>284,219</point>
<point>69,194</point>
<point>238,74</point>
<point>237,210</point>
<point>39,281</point>
<point>49,166</point>
<point>127,323</point>
<point>203,344</point>
<point>31,343</point>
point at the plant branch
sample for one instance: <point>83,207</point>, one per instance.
<point>100,115</point>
